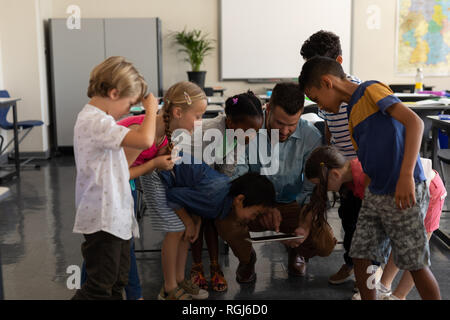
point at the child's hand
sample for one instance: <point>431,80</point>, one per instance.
<point>189,233</point>
<point>150,104</point>
<point>405,196</point>
<point>300,231</point>
<point>192,231</point>
<point>164,162</point>
<point>271,219</point>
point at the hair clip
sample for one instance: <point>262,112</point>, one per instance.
<point>235,100</point>
<point>322,164</point>
<point>188,98</point>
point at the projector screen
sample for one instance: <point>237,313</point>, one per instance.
<point>261,39</point>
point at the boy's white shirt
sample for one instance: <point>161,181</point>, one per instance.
<point>103,195</point>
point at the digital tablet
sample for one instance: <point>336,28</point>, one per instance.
<point>277,237</point>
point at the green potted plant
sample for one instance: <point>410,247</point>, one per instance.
<point>197,46</point>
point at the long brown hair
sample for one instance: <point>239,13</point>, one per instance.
<point>182,94</point>
<point>318,165</point>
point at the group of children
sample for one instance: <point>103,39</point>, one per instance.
<point>374,163</point>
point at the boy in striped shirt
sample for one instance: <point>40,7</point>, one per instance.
<point>386,136</point>
<point>327,44</point>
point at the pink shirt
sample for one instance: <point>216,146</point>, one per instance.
<point>357,185</point>
<point>151,152</point>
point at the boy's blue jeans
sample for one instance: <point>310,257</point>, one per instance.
<point>133,290</point>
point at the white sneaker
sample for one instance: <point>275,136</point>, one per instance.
<point>382,292</point>
<point>356,296</point>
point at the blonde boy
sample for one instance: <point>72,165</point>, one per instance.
<point>104,203</point>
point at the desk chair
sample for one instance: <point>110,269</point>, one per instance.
<point>21,125</point>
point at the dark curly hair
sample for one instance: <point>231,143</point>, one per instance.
<point>322,43</point>
<point>315,68</point>
<point>243,106</point>
<point>289,97</point>
<point>257,189</point>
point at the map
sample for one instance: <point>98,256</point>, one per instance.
<point>424,37</point>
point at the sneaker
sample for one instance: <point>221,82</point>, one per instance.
<point>391,297</point>
<point>194,290</point>
<point>382,291</point>
<point>344,274</point>
<point>176,294</point>
<point>356,296</point>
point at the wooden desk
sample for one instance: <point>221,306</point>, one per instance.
<point>4,103</point>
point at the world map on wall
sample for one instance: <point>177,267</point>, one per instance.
<point>424,37</point>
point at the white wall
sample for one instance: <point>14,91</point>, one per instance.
<point>373,50</point>
<point>23,61</point>
<point>22,56</point>
<point>174,15</point>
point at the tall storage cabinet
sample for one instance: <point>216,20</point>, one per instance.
<point>75,52</point>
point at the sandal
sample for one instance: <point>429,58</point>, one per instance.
<point>176,294</point>
<point>198,277</point>
<point>218,282</point>
<point>194,290</point>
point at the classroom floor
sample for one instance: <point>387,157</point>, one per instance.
<point>37,247</point>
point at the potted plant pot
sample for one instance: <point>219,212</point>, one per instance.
<point>196,46</point>
<point>197,77</point>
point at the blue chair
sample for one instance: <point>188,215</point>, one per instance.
<point>21,125</point>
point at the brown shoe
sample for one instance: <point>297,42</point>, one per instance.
<point>344,274</point>
<point>245,273</point>
<point>296,264</point>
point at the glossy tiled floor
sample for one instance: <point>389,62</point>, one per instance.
<point>37,247</point>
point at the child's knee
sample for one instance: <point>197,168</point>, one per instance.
<point>175,235</point>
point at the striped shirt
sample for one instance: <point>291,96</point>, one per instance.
<point>162,217</point>
<point>338,125</point>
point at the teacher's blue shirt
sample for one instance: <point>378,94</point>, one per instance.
<point>289,180</point>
